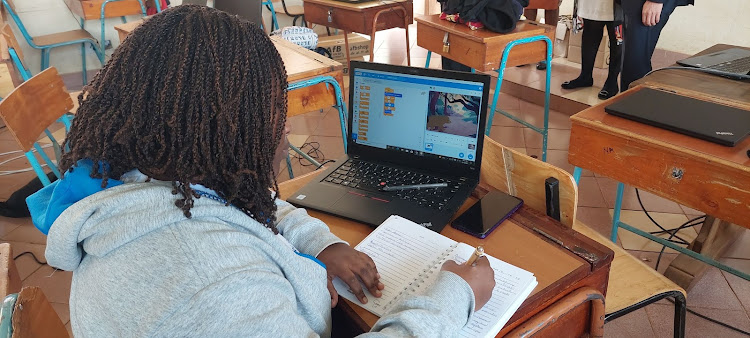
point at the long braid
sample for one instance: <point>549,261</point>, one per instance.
<point>193,96</point>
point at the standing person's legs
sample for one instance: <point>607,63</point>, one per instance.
<point>615,63</point>
<point>590,41</point>
<point>640,41</point>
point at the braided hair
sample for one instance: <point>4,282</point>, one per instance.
<point>192,96</point>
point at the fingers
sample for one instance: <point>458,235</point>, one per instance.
<point>657,17</point>
<point>369,275</point>
<point>354,286</point>
<point>332,291</point>
<point>482,261</point>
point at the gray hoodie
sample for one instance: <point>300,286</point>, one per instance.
<point>142,269</point>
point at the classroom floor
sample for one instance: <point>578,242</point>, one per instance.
<point>718,294</point>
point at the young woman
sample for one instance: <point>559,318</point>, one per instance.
<point>166,213</point>
<point>596,15</point>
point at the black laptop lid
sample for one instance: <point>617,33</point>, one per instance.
<point>701,119</point>
<point>247,9</point>
<point>426,119</point>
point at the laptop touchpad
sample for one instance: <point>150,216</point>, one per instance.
<point>369,209</point>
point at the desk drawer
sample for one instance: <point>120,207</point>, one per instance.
<point>359,20</point>
<point>482,56</point>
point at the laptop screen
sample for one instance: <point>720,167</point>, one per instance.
<point>425,116</point>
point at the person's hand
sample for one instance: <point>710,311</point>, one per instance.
<point>481,278</point>
<point>651,13</point>
<point>351,266</point>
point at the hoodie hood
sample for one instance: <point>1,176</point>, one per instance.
<point>48,203</point>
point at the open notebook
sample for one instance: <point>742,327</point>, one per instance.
<point>409,257</point>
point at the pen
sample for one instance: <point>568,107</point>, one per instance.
<point>414,186</point>
<point>479,252</point>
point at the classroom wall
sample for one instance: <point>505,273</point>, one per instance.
<point>691,29</point>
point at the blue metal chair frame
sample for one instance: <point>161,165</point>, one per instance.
<point>100,51</point>
<point>46,49</point>
<point>274,21</point>
<point>617,224</point>
<point>500,74</point>
<point>340,106</point>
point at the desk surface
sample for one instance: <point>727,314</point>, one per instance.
<point>300,62</point>
<point>734,91</point>
<point>554,268</point>
<point>696,173</point>
<point>359,6</point>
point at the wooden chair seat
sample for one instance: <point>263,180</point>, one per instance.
<point>630,280</point>
<point>10,280</point>
<point>55,38</point>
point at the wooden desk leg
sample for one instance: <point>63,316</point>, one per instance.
<point>375,23</point>
<point>346,45</point>
<point>715,237</point>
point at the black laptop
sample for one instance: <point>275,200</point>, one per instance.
<point>701,119</point>
<point>735,62</point>
<point>414,146</point>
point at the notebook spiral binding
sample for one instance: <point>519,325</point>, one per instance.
<point>431,269</point>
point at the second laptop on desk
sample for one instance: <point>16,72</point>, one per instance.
<point>414,142</point>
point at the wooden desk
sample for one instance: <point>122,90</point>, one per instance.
<point>558,271</point>
<point>92,9</point>
<point>482,49</point>
<point>366,18</point>
<point>699,174</point>
<point>301,64</point>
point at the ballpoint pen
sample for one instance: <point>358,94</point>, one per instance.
<point>479,252</point>
<point>414,186</point>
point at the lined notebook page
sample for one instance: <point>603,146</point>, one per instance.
<point>401,251</point>
<point>512,286</point>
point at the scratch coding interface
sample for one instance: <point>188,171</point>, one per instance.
<point>425,116</point>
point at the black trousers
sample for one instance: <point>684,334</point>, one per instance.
<point>592,38</point>
<point>640,40</point>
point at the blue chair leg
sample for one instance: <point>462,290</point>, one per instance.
<point>618,208</point>
<point>84,74</point>
<point>37,168</point>
<point>427,62</point>
<point>577,175</point>
<point>289,166</point>
<point>44,59</point>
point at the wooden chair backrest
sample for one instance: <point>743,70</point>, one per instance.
<point>10,280</point>
<point>34,316</point>
<point>35,105</point>
<point>517,174</point>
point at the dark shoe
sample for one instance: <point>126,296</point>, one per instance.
<point>605,94</point>
<point>577,83</point>
<point>542,65</point>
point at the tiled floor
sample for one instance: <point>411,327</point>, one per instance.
<point>718,294</point>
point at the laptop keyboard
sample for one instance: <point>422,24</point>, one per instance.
<point>372,177</point>
<point>741,66</point>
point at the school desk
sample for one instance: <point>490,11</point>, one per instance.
<point>699,174</point>
<point>529,239</point>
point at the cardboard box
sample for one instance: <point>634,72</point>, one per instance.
<point>601,61</point>
<point>359,45</point>
<point>575,40</point>
<point>562,39</point>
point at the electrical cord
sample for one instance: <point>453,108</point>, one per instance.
<point>673,232</point>
<point>32,256</point>
<point>682,240</point>
<point>312,149</point>
<point>324,163</point>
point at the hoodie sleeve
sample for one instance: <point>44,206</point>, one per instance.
<point>306,233</point>
<point>440,312</point>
